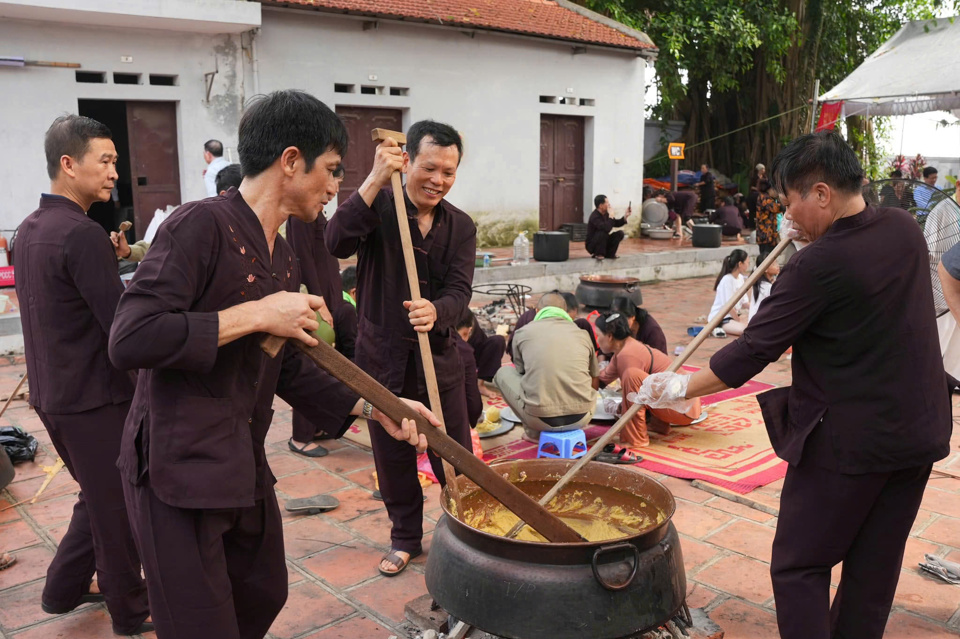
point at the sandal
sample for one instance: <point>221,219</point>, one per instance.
<point>397,561</point>
<point>6,560</point>
<point>319,451</point>
<point>614,454</point>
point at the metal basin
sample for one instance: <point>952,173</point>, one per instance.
<point>530,590</point>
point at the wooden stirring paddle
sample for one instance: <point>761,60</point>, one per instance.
<point>521,504</point>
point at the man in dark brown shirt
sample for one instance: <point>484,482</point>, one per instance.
<point>320,274</point>
<point>601,243</point>
<point>444,240</point>
<point>868,412</point>
<point>198,487</point>
<point>68,287</point>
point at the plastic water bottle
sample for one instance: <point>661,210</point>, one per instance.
<point>486,260</point>
<point>521,249</point>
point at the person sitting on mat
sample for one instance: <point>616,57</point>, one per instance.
<point>573,310</point>
<point>632,362</point>
<point>550,384</point>
<point>729,281</point>
<point>465,327</point>
<point>729,218</point>
<point>761,290</point>
<point>642,325</point>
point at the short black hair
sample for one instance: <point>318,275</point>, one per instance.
<point>214,148</point>
<point>229,176</point>
<point>442,134</point>
<point>614,324</point>
<point>71,135</point>
<point>896,173</point>
<point>466,319</point>
<point>349,278</point>
<point>276,121</point>
<point>817,157</point>
<point>600,199</point>
<point>930,170</point>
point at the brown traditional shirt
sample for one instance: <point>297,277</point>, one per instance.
<point>869,391</point>
<point>201,412</point>
<point>445,262</point>
<point>68,288</point>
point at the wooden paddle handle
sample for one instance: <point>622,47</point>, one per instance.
<point>541,520</point>
<point>674,367</point>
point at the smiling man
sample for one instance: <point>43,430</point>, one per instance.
<point>68,287</point>
<point>198,487</point>
<point>444,241</point>
<point>868,412</point>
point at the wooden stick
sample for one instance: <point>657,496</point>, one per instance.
<point>354,378</point>
<point>56,468</point>
<point>413,279</point>
<point>675,366</point>
<point>732,496</point>
<point>13,394</point>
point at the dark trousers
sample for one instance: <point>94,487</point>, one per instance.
<point>99,536</point>
<point>211,573</point>
<point>613,243</point>
<point>828,517</point>
<point>489,355</point>
<point>396,464</point>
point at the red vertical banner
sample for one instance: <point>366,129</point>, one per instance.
<point>829,114</point>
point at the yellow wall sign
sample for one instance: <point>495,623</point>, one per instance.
<point>675,150</point>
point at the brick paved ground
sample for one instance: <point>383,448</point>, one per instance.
<point>336,592</point>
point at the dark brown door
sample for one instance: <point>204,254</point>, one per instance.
<point>561,170</point>
<point>359,161</point>
<point>154,161</point>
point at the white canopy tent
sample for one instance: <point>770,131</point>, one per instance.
<point>915,71</point>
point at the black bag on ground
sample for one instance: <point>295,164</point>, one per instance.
<point>6,469</point>
<point>19,445</point>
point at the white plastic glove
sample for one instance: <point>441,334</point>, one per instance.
<point>664,390</point>
<point>787,229</point>
<point>611,405</point>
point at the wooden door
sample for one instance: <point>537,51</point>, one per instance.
<point>361,148</point>
<point>561,170</point>
<point>154,161</point>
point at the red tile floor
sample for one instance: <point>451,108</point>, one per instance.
<point>336,592</point>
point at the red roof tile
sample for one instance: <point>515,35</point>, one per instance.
<point>542,18</point>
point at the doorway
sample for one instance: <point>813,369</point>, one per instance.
<point>359,161</point>
<point>145,134</point>
<point>561,170</point>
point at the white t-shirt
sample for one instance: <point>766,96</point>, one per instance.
<point>765,287</point>
<point>728,286</point>
<point>210,177</point>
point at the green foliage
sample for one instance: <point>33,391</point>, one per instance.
<point>725,64</point>
<point>501,229</point>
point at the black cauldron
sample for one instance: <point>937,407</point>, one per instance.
<point>598,291</point>
<point>528,590</point>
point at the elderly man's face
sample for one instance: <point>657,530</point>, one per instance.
<point>603,208</point>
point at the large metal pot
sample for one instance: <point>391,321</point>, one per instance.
<point>529,590</point>
<point>598,291</point>
<point>707,235</point>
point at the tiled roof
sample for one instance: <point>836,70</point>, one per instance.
<point>541,18</point>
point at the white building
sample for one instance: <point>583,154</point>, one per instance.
<point>549,96</point>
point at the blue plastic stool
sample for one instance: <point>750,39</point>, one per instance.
<point>569,444</point>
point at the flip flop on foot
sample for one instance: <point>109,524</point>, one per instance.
<point>93,596</point>
<point>396,559</point>
<point>316,451</point>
